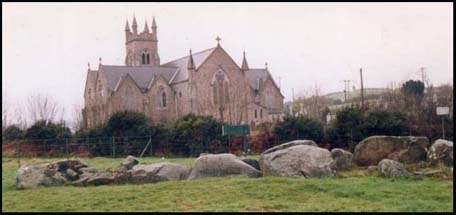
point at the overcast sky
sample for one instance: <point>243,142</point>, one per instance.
<point>46,46</point>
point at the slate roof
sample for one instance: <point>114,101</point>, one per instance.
<point>181,63</point>
<point>256,76</point>
<point>142,75</point>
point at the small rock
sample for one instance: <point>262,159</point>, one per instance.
<point>122,177</point>
<point>101,178</point>
<point>441,150</point>
<point>81,182</point>
<point>72,175</point>
<point>391,168</point>
<point>372,169</point>
<point>252,162</point>
<point>129,162</point>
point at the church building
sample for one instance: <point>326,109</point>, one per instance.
<point>207,82</point>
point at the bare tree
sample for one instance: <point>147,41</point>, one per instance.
<point>78,122</point>
<point>43,107</point>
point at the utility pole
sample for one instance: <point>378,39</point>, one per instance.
<point>423,74</point>
<point>362,88</point>
<point>347,91</point>
<point>292,94</point>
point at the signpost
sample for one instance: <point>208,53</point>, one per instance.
<point>443,111</point>
<point>230,130</point>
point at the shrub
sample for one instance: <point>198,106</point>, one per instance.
<point>13,132</point>
<point>352,126</point>
<point>127,123</point>
<point>43,129</point>
<point>192,134</point>
<point>292,128</point>
<point>262,139</point>
<point>385,123</point>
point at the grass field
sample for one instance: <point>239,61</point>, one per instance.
<point>352,191</point>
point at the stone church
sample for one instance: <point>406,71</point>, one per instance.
<point>208,82</point>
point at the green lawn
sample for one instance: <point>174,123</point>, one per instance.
<point>354,191</point>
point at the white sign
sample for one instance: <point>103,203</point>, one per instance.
<point>443,110</point>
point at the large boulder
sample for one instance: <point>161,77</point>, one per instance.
<point>391,168</point>
<point>129,162</point>
<point>101,178</point>
<point>290,144</point>
<point>343,160</point>
<point>34,176</point>
<point>441,150</point>
<point>169,171</point>
<point>142,176</point>
<point>217,165</point>
<point>407,149</point>
<point>296,160</point>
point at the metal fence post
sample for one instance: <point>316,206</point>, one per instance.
<point>113,148</point>
<point>88,147</point>
<point>18,153</point>
<point>66,145</point>
<point>150,150</point>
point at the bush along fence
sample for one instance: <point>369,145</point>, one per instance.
<point>140,146</point>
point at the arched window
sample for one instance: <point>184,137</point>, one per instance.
<point>220,88</point>
<point>227,93</point>
<point>255,113</point>
<point>145,57</point>
<point>261,113</point>
<point>214,93</point>
<point>161,97</point>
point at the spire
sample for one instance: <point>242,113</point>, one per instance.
<point>190,64</point>
<point>135,25</point>
<point>266,65</point>
<point>88,65</point>
<point>146,28</point>
<point>154,25</point>
<point>154,29</point>
<point>99,59</point>
<point>127,26</point>
<point>245,66</point>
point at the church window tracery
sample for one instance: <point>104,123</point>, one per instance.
<point>220,88</point>
<point>162,97</point>
<point>145,57</point>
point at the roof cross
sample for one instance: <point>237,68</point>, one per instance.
<point>218,40</point>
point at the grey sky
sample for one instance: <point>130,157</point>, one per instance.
<point>46,46</point>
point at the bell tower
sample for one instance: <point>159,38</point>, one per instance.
<point>142,48</point>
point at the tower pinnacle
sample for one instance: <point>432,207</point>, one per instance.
<point>135,25</point>
<point>127,26</point>
<point>146,28</point>
<point>190,64</point>
<point>245,65</point>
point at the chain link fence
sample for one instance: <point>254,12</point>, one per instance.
<point>120,147</point>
